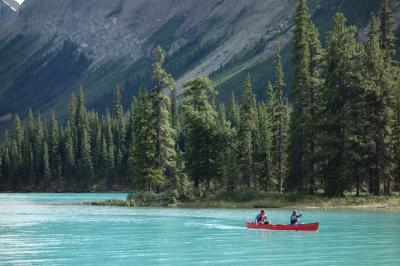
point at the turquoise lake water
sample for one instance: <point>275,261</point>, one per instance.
<point>55,229</point>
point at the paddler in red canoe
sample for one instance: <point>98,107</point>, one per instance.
<point>261,218</point>
<point>294,218</point>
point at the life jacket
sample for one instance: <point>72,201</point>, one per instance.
<point>260,217</point>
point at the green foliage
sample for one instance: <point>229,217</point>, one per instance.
<point>201,129</point>
<point>344,133</point>
<point>165,154</point>
<point>341,82</point>
<point>247,134</point>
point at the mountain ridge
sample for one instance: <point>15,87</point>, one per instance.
<point>99,44</point>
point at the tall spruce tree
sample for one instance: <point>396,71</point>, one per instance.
<point>263,149</point>
<point>340,82</point>
<point>69,153</point>
<point>313,110</point>
<point>161,119</point>
<point>142,165</point>
<point>376,81</point>
<point>53,146</point>
<point>85,163</point>
<point>119,133</point>
<point>387,38</point>
<point>299,100</point>
<point>396,128</point>
<point>277,106</point>
<point>247,134</point>
<point>201,131</point>
<point>46,173</point>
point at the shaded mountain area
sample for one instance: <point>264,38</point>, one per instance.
<point>48,49</point>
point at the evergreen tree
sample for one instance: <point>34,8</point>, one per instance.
<point>396,129</point>
<point>16,161</point>
<point>37,147</point>
<point>313,110</point>
<point>85,163</point>
<point>247,134</point>
<point>201,132</point>
<point>109,154</point>
<point>142,153</point>
<point>262,147</point>
<point>233,147</point>
<point>340,82</point>
<point>45,171</point>
<point>2,179</point>
<point>53,146</point>
<point>386,37</point>
<point>69,153</point>
<point>71,120</point>
<point>299,99</point>
<point>119,133</point>
<point>161,118</point>
<point>227,161</point>
<point>376,81</point>
<point>277,104</point>
<point>234,114</point>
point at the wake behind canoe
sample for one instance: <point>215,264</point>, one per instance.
<point>284,227</point>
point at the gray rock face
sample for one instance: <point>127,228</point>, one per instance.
<point>104,28</point>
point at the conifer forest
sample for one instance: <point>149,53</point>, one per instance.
<point>334,130</point>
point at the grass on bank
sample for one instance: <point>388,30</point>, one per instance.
<point>257,199</point>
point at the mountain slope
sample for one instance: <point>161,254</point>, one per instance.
<point>50,47</point>
<point>7,10</point>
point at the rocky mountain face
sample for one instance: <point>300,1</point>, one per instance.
<point>50,48</point>
<point>7,10</point>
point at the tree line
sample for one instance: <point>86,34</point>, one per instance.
<point>340,133</point>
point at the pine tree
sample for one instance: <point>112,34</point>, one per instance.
<point>16,161</point>
<point>227,163</point>
<point>396,129</point>
<point>85,163</point>
<point>313,110</point>
<point>71,119</point>
<point>109,155</point>
<point>247,136</point>
<point>233,148</point>
<point>299,99</point>
<point>262,147</point>
<point>340,83</point>
<point>53,146</point>
<point>69,153</point>
<point>277,104</point>
<point>37,147</point>
<point>2,179</point>
<point>234,114</point>
<point>161,118</point>
<point>45,171</point>
<point>201,132</point>
<point>386,37</point>
<point>6,160</point>
<point>142,153</point>
<point>118,111</point>
<point>119,133</point>
<point>376,82</point>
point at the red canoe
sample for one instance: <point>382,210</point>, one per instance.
<point>284,227</point>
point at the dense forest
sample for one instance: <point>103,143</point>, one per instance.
<point>337,132</point>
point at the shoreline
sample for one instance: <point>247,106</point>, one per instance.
<point>376,204</point>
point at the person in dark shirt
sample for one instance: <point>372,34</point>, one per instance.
<point>294,218</point>
<point>261,218</point>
